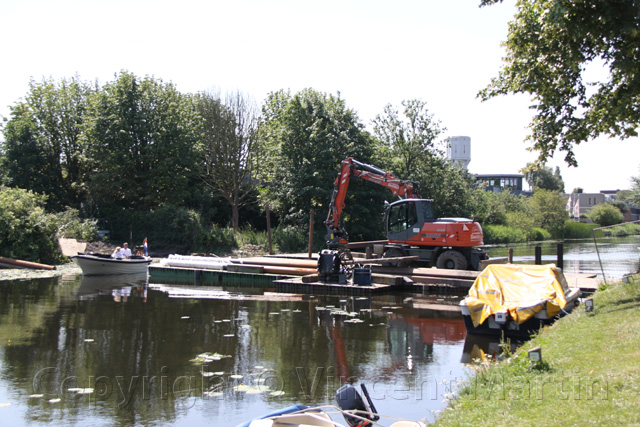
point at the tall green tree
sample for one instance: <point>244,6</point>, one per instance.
<point>412,151</point>
<point>632,195</point>
<point>229,130</point>
<point>304,137</point>
<point>43,148</point>
<point>541,176</point>
<point>410,134</point>
<point>143,141</point>
<point>548,210</point>
<point>549,46</point>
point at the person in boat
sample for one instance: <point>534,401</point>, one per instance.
<point>126,252</point>
<point>117,253</point>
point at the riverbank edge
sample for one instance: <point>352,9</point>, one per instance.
<point>589,374</point>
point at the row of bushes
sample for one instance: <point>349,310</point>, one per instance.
<point>496,234</point>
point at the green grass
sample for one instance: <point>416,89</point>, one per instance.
<point>590,375</point>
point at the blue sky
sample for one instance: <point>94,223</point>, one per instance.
<point>372,52</point>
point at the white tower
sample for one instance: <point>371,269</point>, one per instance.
<point>459,151</point>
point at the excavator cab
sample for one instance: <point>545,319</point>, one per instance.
<point>405,218</point>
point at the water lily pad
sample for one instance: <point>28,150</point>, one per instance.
<point>56,400</point>
<point>36,396</point>
<point>235,376</point>
<point>213,393</point>
<point>250,389</point>
<point>208,358</point>
<point>276,393</point>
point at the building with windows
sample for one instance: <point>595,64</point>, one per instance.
<point>581,203</point>
<point>500,182</point>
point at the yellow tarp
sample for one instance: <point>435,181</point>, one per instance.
<point>520,290</point>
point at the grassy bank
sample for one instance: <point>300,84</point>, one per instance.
<point>590,373</point>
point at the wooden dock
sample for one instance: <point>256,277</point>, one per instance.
<point>297,273</point>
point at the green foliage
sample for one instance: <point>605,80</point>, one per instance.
<point>229,130</point>
<point>290,239</point>
<point>71,226</point>
<point>578,230</point>
<point>411,151</point>
<point>548,210</point>
<point>538,234</point>
<point>42,141</point>
<point>494,208</point>
<point>631,196</point>
<point>605,214</point>
<point>217,240</point>
<point>495,234</point>
<point>549,45</point>
<point>303,138</point>
<point>410,136</point>
<point>27,232</point>
<point>142,138</point>
<point>625,230</point>
<point>540,176</point>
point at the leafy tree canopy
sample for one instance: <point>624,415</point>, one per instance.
<point>142,138</point>
<point>605,214</point>
<point>304,137</point>
<point>540,176</point>
<point>412,151</point>
<point>548,210</point>
<point>549,46</point>
<point>27,232</point>
<point>44,150</point>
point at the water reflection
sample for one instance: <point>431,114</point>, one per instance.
<point>120,350</point>
<point>618,255</point>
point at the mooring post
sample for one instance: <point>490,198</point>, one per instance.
<point>311,215</point>
<point>538,255</point>
<point>510,256</point>
<point>269,229</point>
<point>560,255</point>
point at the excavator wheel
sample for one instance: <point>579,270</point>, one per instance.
<point>396,253</point>
<point>452,260</point>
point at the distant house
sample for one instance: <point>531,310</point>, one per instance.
<point>581,203</point>
<point>501,182</point>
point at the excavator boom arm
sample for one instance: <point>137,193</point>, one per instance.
<point>351,167</point>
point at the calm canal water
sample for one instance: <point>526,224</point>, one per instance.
<point>114,351</point>
<point>618,255</point>
<point>131,351</point>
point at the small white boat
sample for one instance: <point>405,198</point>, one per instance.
<point>103,264</point>
<point>352,407</point>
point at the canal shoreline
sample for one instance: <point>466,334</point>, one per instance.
<point>589,373</point>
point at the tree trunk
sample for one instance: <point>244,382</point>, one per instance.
<point>235,216</point>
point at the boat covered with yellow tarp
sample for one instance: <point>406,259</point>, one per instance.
<point>517,299</point>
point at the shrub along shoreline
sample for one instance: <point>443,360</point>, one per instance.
<point>590,372</point>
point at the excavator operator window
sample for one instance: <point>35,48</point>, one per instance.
<point>427,209</point>
<point>402,216</point>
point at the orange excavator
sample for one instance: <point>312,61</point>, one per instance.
<point>412,228</point>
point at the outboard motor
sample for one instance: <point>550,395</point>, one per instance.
<point>350,400</point>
